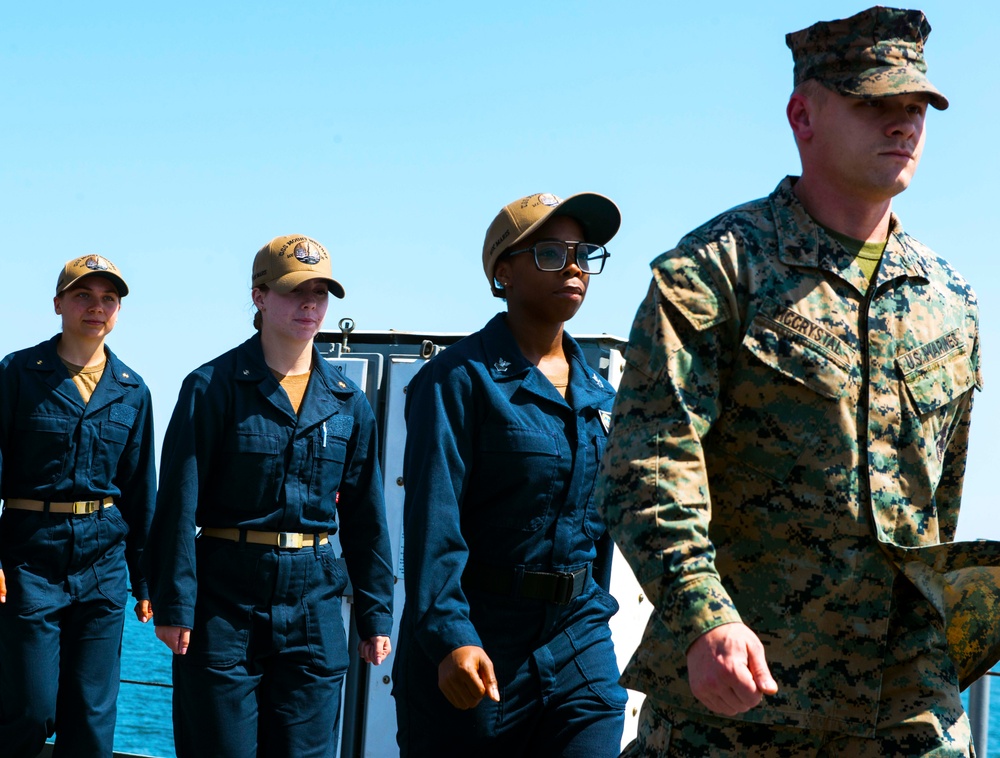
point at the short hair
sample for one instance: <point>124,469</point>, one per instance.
<point>813,89</point>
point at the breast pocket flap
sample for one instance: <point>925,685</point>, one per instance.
<point>256,442</point>
<point>935,384</point>
<point>807,362</point>
<point>518,440</point>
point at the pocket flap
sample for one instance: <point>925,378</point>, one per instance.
<point>256,442</point>
<point>802,351</point>
<point>938,372</point>
<point>516,439</point>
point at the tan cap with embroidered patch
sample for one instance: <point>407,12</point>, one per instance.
<point>285,262</point>
<point>597,214</point>
<point>90,265</point>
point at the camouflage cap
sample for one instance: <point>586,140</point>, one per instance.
<point>90,265</point>
<point>876,53</point>
<point>597,214</point>
<point>285,262</point>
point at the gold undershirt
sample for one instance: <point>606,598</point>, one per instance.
<point>85,377</point>
<point>294,386</point>
<point>560,381</point>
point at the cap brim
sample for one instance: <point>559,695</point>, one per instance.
<point>889,81</point>
<point>597,214</point>
<point>285,284</point>
<point>115,280</point>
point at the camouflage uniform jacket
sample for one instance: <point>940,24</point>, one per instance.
<point>780,418</point>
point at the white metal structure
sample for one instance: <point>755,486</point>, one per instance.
<point>383,363</point>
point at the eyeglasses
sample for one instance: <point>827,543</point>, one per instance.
<point>551,255</point>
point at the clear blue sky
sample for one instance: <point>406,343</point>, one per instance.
<point>177,138</point>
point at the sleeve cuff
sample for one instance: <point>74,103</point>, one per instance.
<point>437,645</point>
<point>375,625</point>
<point>140,590</point>
<point>696,608</point>
<point>174,615</point>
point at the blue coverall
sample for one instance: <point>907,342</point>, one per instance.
<point>61,627</point>
<point>268,654</point>
<point>499,470</point>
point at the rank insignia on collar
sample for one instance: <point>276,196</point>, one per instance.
<point>597,380</point>
<point>605,417</point>
<point>501,365</point>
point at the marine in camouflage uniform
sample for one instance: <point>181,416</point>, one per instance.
<point>787,456</point>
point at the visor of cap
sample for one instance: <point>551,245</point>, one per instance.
<point>889,81</point>
<point>286,283</point>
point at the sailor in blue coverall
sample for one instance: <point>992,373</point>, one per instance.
<point>269,445</point>
<point>78,482</point>
<point>504,644</point>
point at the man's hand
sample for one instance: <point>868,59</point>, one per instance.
<point>143,611</point>
<point>375,650</point>
<point>177,638</point>
<point>727,671</point>
<point>3,588</point>
<point>465,675</point>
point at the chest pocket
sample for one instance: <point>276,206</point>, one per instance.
<point>783,386</point>
<point>515,476</point>
<point>112,437</point>
<point>250,475</point>
<point>43,450</point>
<point>933,386</point>
<point>328,450</point>
<point>936,384</point>
<point>113,433</point>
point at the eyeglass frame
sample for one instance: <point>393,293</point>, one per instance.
<point>575,244</point>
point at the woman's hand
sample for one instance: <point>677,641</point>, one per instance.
<point>143,611</point>
<point>177,638</point>
<point>465,675</point>
<point>375,650</point>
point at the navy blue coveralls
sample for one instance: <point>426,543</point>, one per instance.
<point>67,585</point>
<point>268,653</point>
<point>499,472</point>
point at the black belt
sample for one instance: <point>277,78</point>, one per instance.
<point>551,586</point>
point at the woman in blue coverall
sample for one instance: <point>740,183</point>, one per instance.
<point>78,483</point>
<point>270,449</point>
<point>504,644</point>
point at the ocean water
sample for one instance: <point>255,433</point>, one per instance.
<point>144,711</point>
<point>144,726</point>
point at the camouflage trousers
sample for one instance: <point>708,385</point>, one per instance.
<point>920,711</point>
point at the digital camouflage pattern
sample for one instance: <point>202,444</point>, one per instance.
<point>784,435</point>
<point>920,710</point>
<point>876,53</point>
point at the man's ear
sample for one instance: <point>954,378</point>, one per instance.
<point>800,112</point>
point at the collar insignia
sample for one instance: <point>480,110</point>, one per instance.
<point>501,365</point>
<point>605,420</point>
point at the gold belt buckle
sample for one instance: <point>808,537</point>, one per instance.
<point>83,507</point>
<point>289,539</point>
